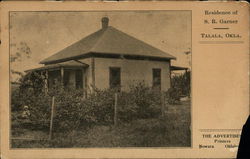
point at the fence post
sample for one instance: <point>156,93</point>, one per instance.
<point>51,118</point>
<point>162,105</point>
<point>115,110</point>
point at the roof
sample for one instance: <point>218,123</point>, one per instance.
<point>108,41</point>
<point>177,68</point>
<point>68,64</point>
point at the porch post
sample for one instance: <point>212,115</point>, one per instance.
<point>62,75</point>
<point>170,74</point>
<point>84,83</point>
<point>93,72</point>
<point>46,81</point>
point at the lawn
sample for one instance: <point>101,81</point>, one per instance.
<point>172,130</point>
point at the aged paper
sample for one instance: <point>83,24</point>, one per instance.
<point>123,79</point>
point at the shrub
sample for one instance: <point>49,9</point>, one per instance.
<point>38,106</point>
<point>30,93</point>
<point>101,106</point>
<point>127,108</point>
<point>173,95</point>
<point>29,86</point>
<point>72,110</point>
<point>140,102</point>
<point>68,110</point>
<point>181,83</point>
<point>32,82</point>
<point>16,100</point>
<point>180,86</point>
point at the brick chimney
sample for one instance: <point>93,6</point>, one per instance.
<point>105,22</point>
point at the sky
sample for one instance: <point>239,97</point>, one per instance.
<point>46,33</point>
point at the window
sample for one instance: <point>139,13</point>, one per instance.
<point>157,78</point>
<point>115,77</point>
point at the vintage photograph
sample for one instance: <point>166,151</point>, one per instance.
<point>100,79</point>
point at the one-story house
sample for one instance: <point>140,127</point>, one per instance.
<point>108,58</point>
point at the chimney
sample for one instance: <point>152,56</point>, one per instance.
<point>105,22</point>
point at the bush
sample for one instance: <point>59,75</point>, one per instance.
<point>16,100</point>
<point>66,109</point>
<point>182,83</point>
<point>72,110</point>
<point>140,102</point>
<point>33,82</point>
<point>30,94</point>
<point>180,86</point>
<point>173,95</point>
<point>101,107</point>
<point>38,106</point>
<point>146,99</point>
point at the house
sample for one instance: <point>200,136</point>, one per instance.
<point>108,58</point>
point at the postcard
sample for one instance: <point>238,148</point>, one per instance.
<point>123,79</point>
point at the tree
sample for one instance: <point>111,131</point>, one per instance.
<point>21,51</point>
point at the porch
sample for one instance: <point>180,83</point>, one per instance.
<point>70,74</point>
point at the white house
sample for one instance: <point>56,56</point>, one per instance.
<point>108,58</point>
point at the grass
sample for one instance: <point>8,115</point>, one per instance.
<point>173,130</point>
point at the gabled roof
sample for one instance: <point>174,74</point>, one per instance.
<point>108,41</point>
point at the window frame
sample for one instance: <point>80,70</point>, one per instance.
<point>110,76</point>
<point>156,84</point>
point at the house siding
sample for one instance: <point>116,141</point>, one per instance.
<point>87,75</point>
<point>132,71</point>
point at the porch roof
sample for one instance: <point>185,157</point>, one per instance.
<point>67,64</point>
<point>178,68</point>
